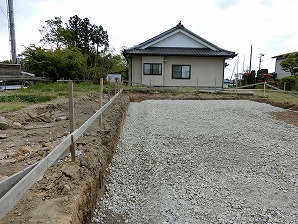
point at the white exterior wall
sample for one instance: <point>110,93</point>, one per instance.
<point>204,71</point>
<point>279,71</point>
<point>136,70</point>
<point>179,40</point>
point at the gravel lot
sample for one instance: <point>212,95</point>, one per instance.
<point>203,162</point>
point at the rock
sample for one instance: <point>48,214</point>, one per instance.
<point>32,114</point>
<point>25,149</point>
<point>61,118</point>
<point>66,188</point>
<point>45,117</point>
<point>17,125</point>
<point>3,123</point>
<point>2,155</point>
<point>72,171</point>
<point>62,135</point>
<point>47,144</point>
<point>3,136</point>
<point>11,145</point>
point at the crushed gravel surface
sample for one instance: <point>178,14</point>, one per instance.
<point>203,162</point>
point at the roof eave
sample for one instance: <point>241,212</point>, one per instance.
<point>183,55</point>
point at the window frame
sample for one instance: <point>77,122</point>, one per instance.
<point>151,68</point>
<point>181,65</point>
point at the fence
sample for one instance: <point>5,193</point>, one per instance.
<point>14,187</point>
<point>265,84</point>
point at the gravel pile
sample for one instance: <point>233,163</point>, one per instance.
<point>203,162</point>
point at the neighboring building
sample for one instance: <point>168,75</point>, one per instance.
<point>177,57</point>
<point>280,73</point>
<point>226,83</point>
<point>11,76</point>
<point>10,70</point>
<point>113,77</point>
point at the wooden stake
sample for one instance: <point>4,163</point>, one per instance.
<point>115,88</point>
<point>118,85</point>
<point>264,89</point>
<point>71,119</point>
<point>101,100</point>
<point>109,89</point>
<point>215,85</point>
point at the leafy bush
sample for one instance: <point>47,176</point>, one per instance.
<point>290,81</point>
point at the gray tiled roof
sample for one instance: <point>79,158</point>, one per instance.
<point>159,51</point>
<point>170,51</point>
<point>278,57</point>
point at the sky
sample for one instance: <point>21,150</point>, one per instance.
<point>270,26</point>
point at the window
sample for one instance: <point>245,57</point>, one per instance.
<point>152,69</point>
<point>181,72</point>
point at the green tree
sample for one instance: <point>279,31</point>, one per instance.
<point>91,40</point>
<point>54,33</point>
<point>54,64</point>
<point>290,63</point>
<point>99,37</point>
<point>6,62</point>
<point>77,32</point>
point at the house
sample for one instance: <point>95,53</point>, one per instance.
<point>177,57</point>
<point>113,77</point>
<point>280,73</point>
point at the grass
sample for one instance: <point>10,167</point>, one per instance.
<point>278,97</point>
<point>39,93</point>
<point>11,106</point>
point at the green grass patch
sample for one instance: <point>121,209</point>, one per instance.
<point>278,97</point>
<point>26,98</point>
<point>39,93</point>
<point>11,106</point>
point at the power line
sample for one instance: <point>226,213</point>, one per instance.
<point>3,13</point>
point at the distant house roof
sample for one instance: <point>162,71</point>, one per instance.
<point>207,49</point>
<point>282,55</point>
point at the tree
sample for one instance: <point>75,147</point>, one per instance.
<point>54,34</point>
<point>290,63</point>
<point>260,73</point>
<point>99,37</point>
<point>77,32</point>
<point>90,40</point>
<point>54,64</point>
<point>249,77</point>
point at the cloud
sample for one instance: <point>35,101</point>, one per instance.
<point>267,3</point>
<point>224,4</point>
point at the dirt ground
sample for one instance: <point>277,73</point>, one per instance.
<point>67,187</point>
<point>69,191</point>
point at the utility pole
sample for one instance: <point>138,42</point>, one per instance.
<point>12,36</point>
<point>260,60</point>
<point>250,58</point>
